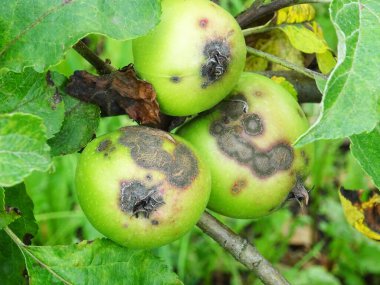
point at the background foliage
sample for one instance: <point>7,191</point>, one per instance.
<point>38,122</point>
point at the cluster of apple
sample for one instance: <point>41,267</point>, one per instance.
<point>144,187</point>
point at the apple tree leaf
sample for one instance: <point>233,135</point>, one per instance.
<point>366,149</point>
<point>95,263</point>
<point>23,147</point>
<point>351,102</point>
<point>38,33</point>
<point>34,93</point>
<point>12,261</point>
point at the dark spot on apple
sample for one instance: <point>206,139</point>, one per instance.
<point>180,167</point>
<point>149,177</point>
<point>228,135</point>
<point>184,167</point>
<point>154,222</point>
<point>261,164</point>
<point>104,145</point>
<point>203,23</point>
<point>175,79</point>
<point>217,58</point>
<point>258,93</point>
<point>252,124</point>
<point>238,186</point>
<point>281,156</point>
<point>139,200</point>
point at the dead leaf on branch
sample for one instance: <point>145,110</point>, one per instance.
<point>363,215</point>
<point>120,92</point>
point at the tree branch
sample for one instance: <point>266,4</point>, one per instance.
<point>255,13</point>
<point>241,250</point>
<point>307,72</point>
<point>101,66</point>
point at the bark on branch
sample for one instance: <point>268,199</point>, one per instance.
<point>241,250</point>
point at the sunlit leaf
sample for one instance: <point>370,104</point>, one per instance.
<point>23,147</point>
<point>295,14</point>
<point>304,39</point>
<point>96,262</point>
<point>326,61</point>
<point>38,33</point>
<point>351,103</point>
<point>366,149</point>
<point>12,262</point>
<point>34,93</point>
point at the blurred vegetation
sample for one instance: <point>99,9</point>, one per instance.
<point>312,245</point>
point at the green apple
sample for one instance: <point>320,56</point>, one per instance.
<point>193,57</point>
<point>247,142</point>
<point>142,187</point>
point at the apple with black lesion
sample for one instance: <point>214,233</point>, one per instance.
<point>193,57</point>
<point>247,141</point>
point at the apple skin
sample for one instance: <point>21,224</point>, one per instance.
<point>180,56</point>
<point>117,174</point>
<point>246,140</point>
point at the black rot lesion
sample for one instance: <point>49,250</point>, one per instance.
<point>231,131</point>
<point>139,200</point>
<point>180,167</point>
<point>105,147</point>
<point>217,55</point>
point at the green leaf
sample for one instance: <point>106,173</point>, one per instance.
<point>366,149</point>
<point>95,263</point>
<point>12,262</point>
<point>38,33</point>
<point>34,93</point>
<point>7,214</point>
<point>314,275</point>
<point>351,103</point>
<point>79,126</point>
<point>23,147</point>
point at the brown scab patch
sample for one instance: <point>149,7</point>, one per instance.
<point>154,222</point>
<point>228,130</point>
<point>252,124</point>
<point>238,186</point>
<point>180,167</point>
<point>281,156</point>
<point>258,94</point>
<point>104,145</point>
<point>138,200</point>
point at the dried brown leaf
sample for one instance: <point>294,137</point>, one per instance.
<point>120,92</point>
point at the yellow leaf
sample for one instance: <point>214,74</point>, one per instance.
<point>295,14</point>
<point>326,61</point>
<point>285,84</point>
<point>363,216</point>
<point>274,42</point>
<point>304,39</point>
